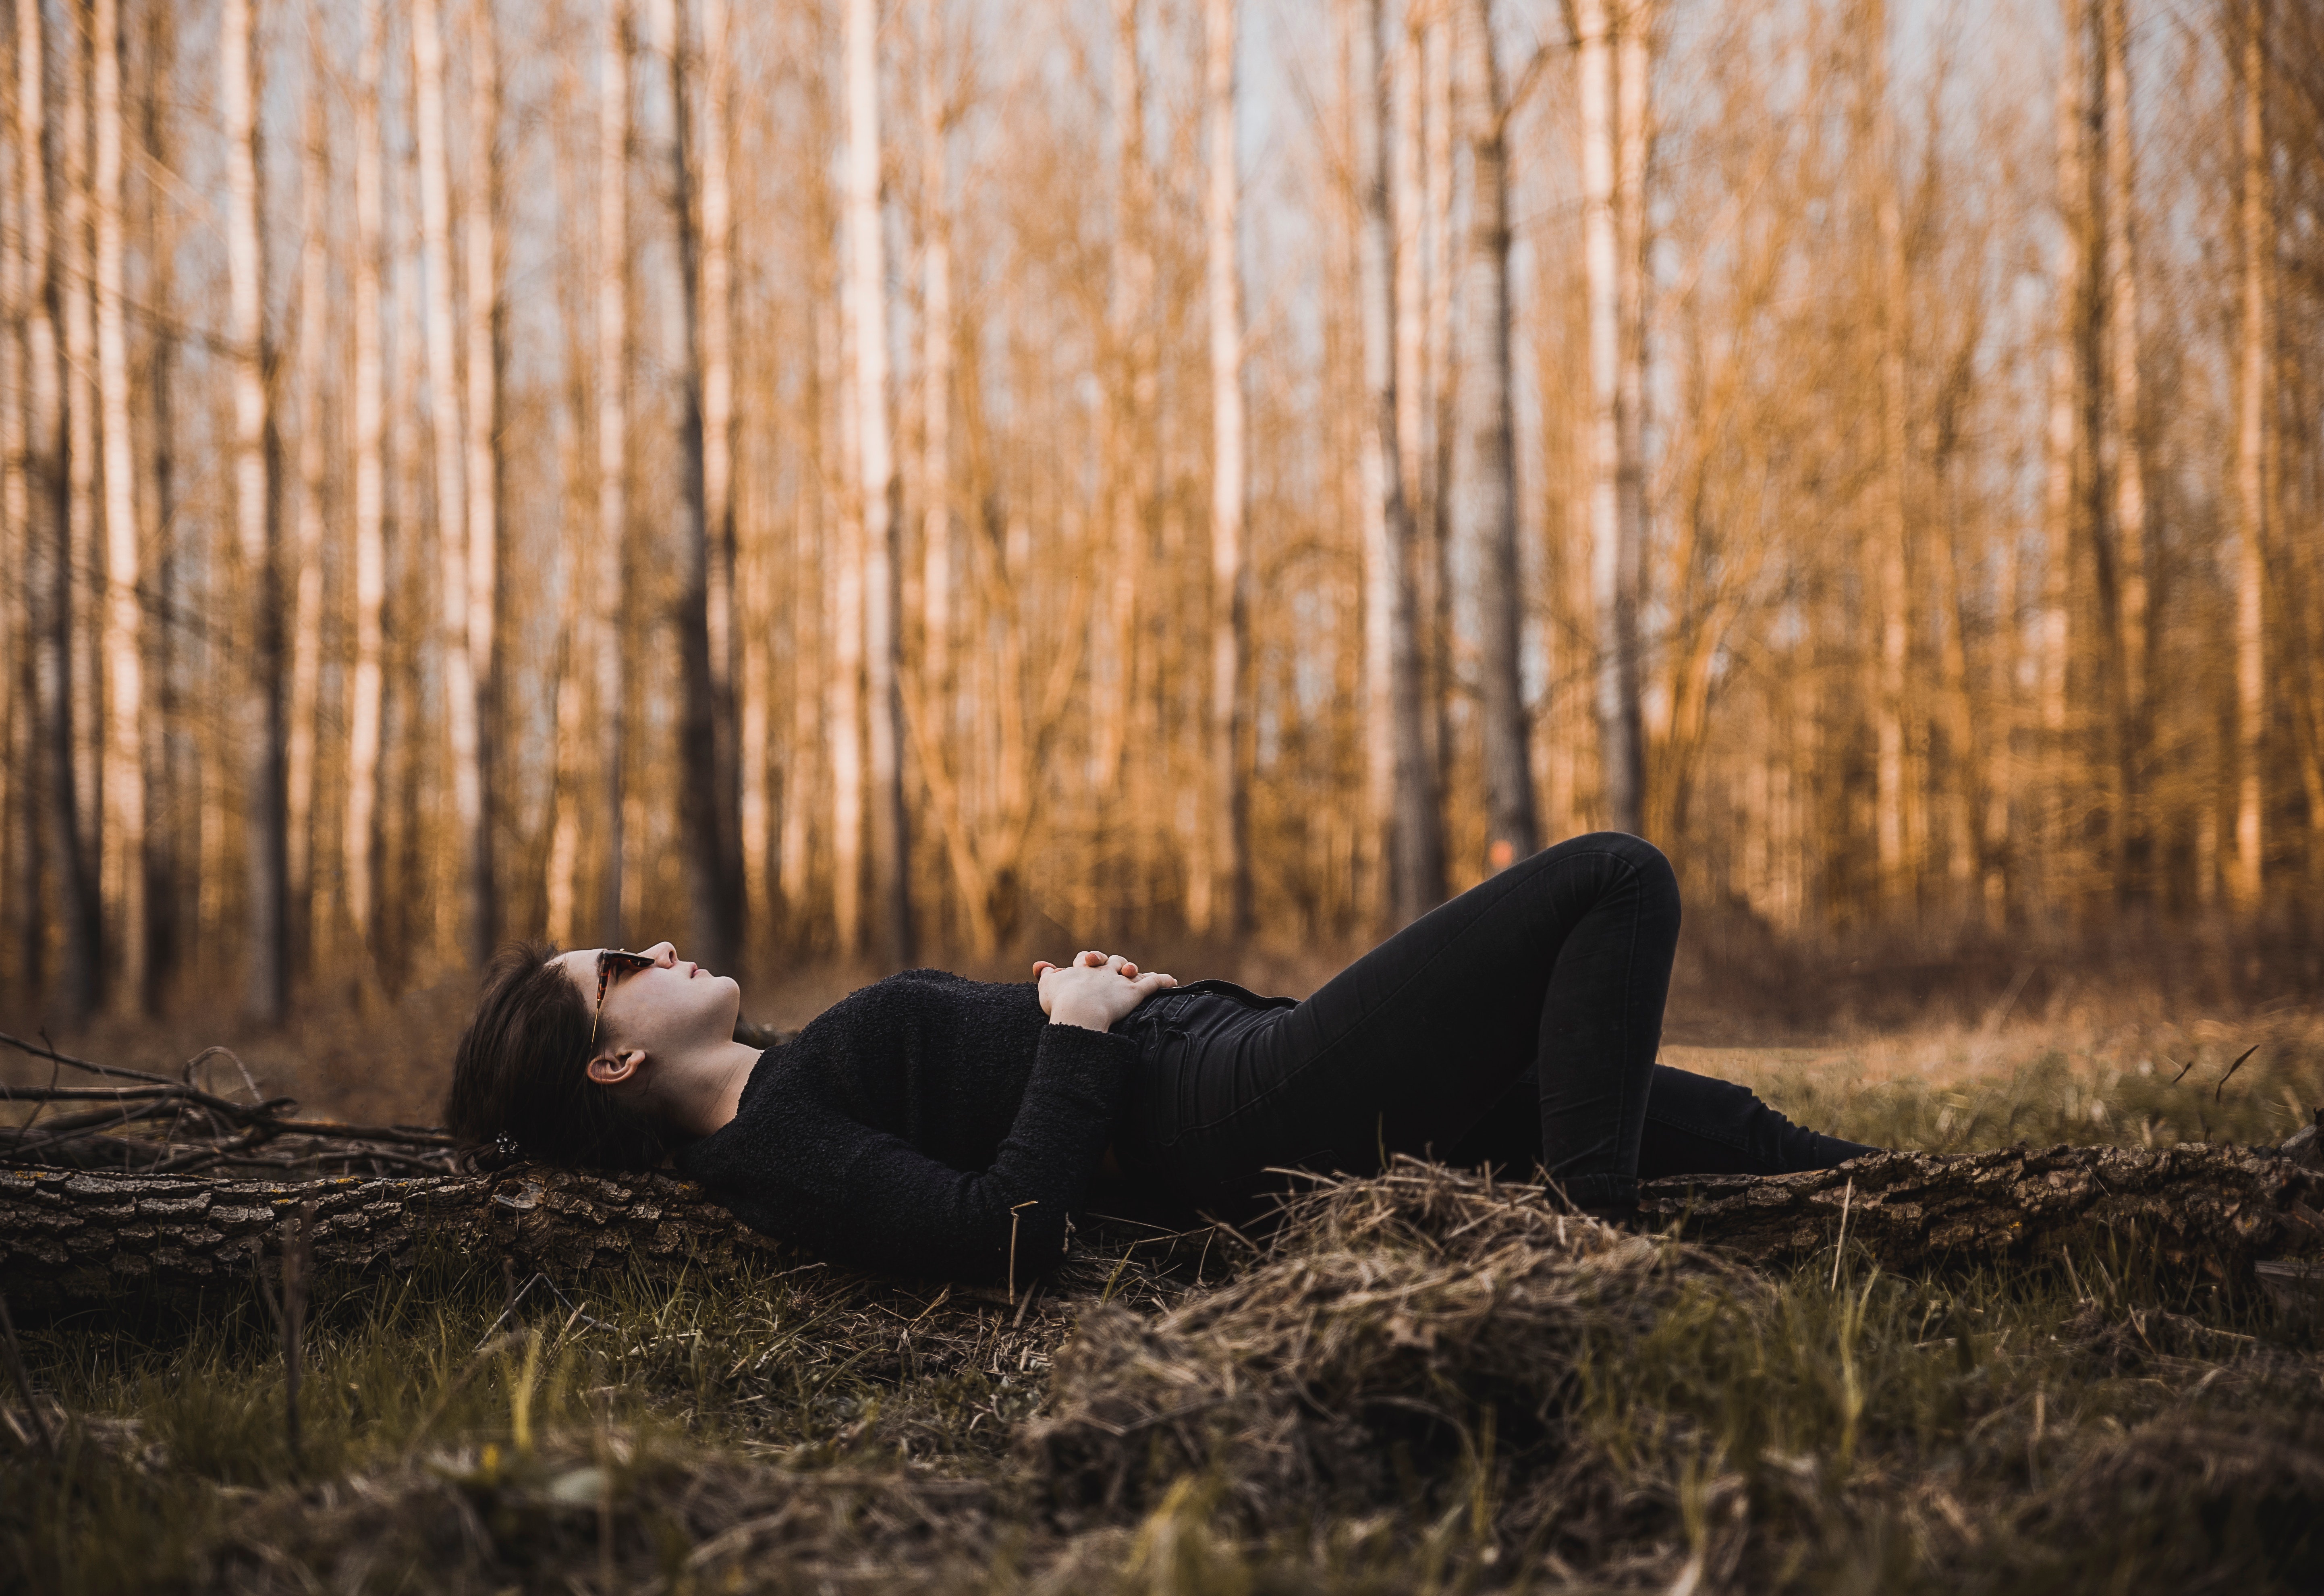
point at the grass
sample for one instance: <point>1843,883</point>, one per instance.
<point>2106,1425</point>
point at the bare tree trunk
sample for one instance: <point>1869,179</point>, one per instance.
<point>1132,432</point>
<point>262,727</point>
<point>307,552</point>
<point>1489,490</point>
<point>875,458</point>
<point>712,863</point>
<point>358,839</point>
<point>20,847</point>
<point>2123,461</point>
<point>85,556</point>
<point>1415,850</point>
<point>1224,884</point>
<point>2252,400</point>
<point>1633,83</point>
<point>461,929</point>
<point>172,765</point>
<point>1619,756</point>
<point>482,419</point>
<point>1897,870</point>
<point>936,331</point>
<point>613,445</point>
<point>2063,446</point>
<point>125,759</point>
<point>720,576</point>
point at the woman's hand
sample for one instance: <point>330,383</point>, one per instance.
<point>1095,990</point>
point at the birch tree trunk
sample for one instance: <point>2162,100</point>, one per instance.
<point>1632,82</point>
<point>482,318</point>
<point>20,847</point>
<point>613,445</point>
<point>1131,427</point>
<point>720,575</point>
<point>1392,706</point>
<point>713,865</point>
<point>358,839</point>
<point>85,556</point>
<point>1489,489</point>
<point>461,929</point>
<point>171,750</point>
<point>2063,444</point>
<point>261,728</point>
<point>2123,460</point>
<point>877,485</point>
<point>1619,756</point>
<point>1223,889</point>
<point>2257,340</point>
<point>1890,709</point>
<point>307,552</point>
<point>936,376</point>
<point>124,761</point>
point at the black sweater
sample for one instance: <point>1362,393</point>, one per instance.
<point>916,1125</point>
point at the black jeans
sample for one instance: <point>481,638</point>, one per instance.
<point>1515,1025</point>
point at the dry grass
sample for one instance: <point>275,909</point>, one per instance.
<point>1418,1383</point>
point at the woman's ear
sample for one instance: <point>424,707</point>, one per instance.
<point>617,1069</point>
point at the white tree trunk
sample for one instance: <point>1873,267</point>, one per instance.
<point>876,484</point>
<point>1219,892</point>
<point>1889,702</point>
<point>2125,461</point>
<point>936,376</point>
<point>460,929</point>
<point>358,838</point>
<point>1601,447</point>
<point>2062,445</point>
<point>612,442</point>
<point>482,420</point>
<point>255,539</point>
<point>2252,398</point>
<point>306,548</point>
<point>124,765</point>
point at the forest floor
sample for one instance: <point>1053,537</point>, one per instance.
<point>1421,1382</point>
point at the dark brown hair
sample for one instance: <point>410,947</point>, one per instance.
<point>521,1086</point>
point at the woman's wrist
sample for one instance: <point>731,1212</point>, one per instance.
<point>1092,1017</point>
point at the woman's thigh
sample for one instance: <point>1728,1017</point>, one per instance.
<point>1408,1048</point>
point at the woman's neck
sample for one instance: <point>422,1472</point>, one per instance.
<point>707,1093</point>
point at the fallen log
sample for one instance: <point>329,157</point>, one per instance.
<point>2219,1206</point>
<point>71,1236</point>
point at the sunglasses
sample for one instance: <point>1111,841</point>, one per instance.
<point>612,962</point>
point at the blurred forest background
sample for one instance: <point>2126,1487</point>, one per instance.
<point>848,485</point>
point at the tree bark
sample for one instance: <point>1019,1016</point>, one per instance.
<point>307,547</point>
<point>2252,398</point>
<point>1619,756</point>
<point>613,446</point>
<point>261,729</point>
<point>71,1238</point>
<point>2064,445</point>
<point>68,1237</point>
<point>1488,488</point>
<point>1393,705</point>
<point>1916,1212</point>
<point>358,841</point>
<point>876,485</point>
<point>482,315</point>
<point>462,927</point>
<point>125,759</point>
<point>1222,887</point>
<point>2123,461</point>
<point>713,868</point>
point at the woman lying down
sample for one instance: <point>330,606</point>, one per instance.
<point>933,1126</point>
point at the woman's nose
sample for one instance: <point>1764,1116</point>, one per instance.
<point>663,953</point>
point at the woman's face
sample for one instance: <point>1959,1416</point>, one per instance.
<point>664,1010</point>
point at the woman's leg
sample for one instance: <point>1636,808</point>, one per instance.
<point>1695,1125</point>
<point>1560,964</point>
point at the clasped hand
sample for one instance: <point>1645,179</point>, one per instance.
<point>1095,990</point>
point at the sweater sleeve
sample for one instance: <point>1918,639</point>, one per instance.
<point>870,1199</point>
